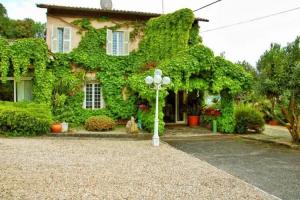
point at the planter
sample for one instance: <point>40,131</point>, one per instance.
<point>56,128</point>
<point>193,121</point>
<point>273,123</point>
<point>64,127</point>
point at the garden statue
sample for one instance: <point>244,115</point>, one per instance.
<point>131,127</point>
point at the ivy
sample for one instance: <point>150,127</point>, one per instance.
<point>170,42</point>
<point>4,58</point>
<point>226,123</point>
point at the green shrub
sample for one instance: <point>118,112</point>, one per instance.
<point>99,123</point>
<point>248,118</point>
<point>24,119</point>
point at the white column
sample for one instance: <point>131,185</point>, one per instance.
<point>155,139</point>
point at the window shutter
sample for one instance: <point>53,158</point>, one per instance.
<point>126,43</point>
<point>54,40</point>
<point>109,42</point>
<point>67,39</point>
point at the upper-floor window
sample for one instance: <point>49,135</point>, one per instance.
<point>117,43</point>
<point>61,40</point>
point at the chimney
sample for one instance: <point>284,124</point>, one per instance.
<point>106,4</point>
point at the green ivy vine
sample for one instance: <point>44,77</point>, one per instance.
<point>170,42</point>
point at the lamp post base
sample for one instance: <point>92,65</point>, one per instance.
<point>155,141</point>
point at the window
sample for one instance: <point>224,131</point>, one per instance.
<point>93,96</point>
<point>16,91</point>
<point>117,43</point>
<point>61,40</point>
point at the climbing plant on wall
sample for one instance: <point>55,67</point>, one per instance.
<point>170,42</point>
<point>4,58</point>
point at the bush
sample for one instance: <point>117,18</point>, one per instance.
<point>248,118</point>
<point>24,119</point>
<point>99,123</point>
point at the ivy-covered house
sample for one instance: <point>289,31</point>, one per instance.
<point>97,60</point>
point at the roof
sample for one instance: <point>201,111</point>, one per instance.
<point>86,10</point>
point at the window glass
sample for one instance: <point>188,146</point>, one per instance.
<point>7,91</point>
<point>117,43</point>
<point>89,96</point>
<point>60,40</point>
<point>24,90</point>
<point>93,96</point>
<point>97,102</point>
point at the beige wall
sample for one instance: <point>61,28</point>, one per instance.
<point>62,21</point>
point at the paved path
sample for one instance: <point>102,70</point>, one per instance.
<point>73,168</point>
<point>272,168</point>
<point>277,131</point>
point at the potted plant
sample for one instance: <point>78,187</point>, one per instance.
<point>56,127</point>
<point>194,116</point>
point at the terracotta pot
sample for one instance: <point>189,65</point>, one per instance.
<point>273,123</point>
<point>193,121</point>
<point>56,128</point>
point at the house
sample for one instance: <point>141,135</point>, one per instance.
<point>98,60</point>
<point>63,36</point>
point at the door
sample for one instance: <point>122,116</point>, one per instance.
<point>180,107</point>
<point>174,111</point>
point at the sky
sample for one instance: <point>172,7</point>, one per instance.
<point>243,42</point>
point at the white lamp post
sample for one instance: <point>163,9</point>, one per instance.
<point>157,81</point>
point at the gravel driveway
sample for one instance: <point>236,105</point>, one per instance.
<point>59,168</point>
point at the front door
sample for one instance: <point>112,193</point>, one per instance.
<point>175,108</point>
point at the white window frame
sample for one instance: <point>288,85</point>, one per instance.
<point>122,49</point>
<point>15,84</point>
<point>55,39</point>
<point>102,103</point>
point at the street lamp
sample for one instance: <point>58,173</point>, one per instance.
<point>157,81</point>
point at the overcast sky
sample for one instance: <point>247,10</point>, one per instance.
<point>243,42</point>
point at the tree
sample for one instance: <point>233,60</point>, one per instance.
<point>291,83</point>
<point>248,95</point>
<point>279,78</point>
<point>13,29</point>
<point>271,70</point>
<point>248,68</point>
<point>3,12</point>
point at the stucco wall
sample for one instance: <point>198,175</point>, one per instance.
<point>63,21</point>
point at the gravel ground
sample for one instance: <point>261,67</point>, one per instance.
<point>110,169</point>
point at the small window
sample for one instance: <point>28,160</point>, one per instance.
<point>60,34</point>
<point>93,96</point>
<point>15,91</point>
<point>117,43</point>
<point>61,40</point>
<point>118,38</point>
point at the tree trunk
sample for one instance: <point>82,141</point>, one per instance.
<point>293,119</point>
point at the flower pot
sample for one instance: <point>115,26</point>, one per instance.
<point>64,127</point>
<point>273,123</point>
<point>56,128</point>
<point>193,121</point>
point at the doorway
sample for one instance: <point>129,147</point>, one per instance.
<point>175,108</point>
